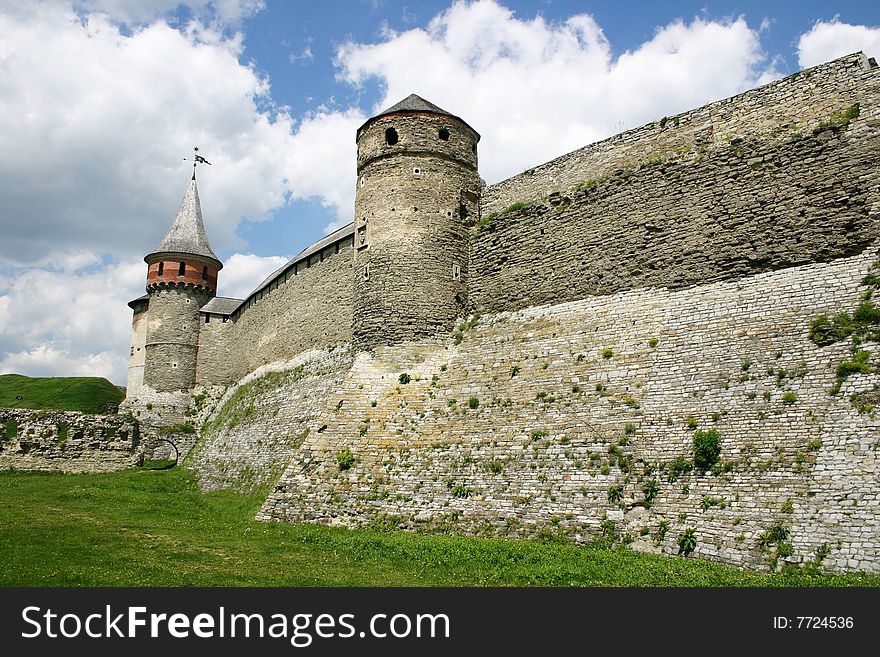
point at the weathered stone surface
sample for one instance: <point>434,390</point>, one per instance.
<point>67,441</point>
<point>307,309</point>
<point>412,204</point>
<point>547,438</point>
<point>656,284</point>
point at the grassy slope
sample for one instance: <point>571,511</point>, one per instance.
<point>76,393</point>
<point>154,528</point>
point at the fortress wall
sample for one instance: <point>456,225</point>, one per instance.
<point>256,426</point>
<point>795,103</point>
<point>542,446</point>
<point>748,207</point>
<point>67,441</point>
<point>305,310</point>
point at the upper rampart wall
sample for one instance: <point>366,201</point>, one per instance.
<point>308,306</point>
<point>764,200</point>
<point>774,110</point>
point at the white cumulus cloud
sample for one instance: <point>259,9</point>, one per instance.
<point>94,123</point>
<point>144,11</point>
<point>242,272</point>
<point>827,40</point>
<point>535,89</point>
<point>63,320</point>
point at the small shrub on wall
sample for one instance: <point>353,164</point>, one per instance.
<point>707,448</point>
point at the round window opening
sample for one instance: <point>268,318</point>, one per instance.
<point>443,134</point>
<point>391,136</point>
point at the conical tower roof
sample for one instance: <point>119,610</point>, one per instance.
<point>413,103</point>
<point>187,233</point>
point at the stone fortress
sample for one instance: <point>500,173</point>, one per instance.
<point>539,357</point>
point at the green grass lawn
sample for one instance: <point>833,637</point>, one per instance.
<point>88,394</point>
<point>154,528</point>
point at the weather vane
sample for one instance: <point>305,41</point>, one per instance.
<point>196,160</point>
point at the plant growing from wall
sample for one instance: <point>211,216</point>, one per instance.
<point>609,532</point>
<point>860,326</point>
<point>651,489</point>
<point>185,428</point>
<point>615,494</point>
<point>707,448</point>
<point>344,458</point>
<point>460,490</point>
<point>404,378</point>
<point>473,403</point>
<point>687,542</point>
<point>660,534</point>
<point>773,542</point>
<point>679,466</point>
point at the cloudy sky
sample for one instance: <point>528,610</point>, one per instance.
<point>100,101</point>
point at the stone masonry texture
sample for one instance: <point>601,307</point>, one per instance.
<point>529,423</point>
<point>411,245</point>
<point>67,441</point>
<point>536,358</point>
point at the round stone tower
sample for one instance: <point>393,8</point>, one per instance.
<point>181,278</point>
<point>417,191</point>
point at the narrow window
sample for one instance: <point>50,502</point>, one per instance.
<point>205,273</point>
<point>207,318</point>
<point>161,268</point>
<point>390,136</point>
<point>182,269</point>
<point>456,271</point>
<point>443,134</point>
<point>366,272</point>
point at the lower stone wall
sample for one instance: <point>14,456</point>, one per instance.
<point>257,424</point>
<point>567,420</point>
<point>67,441</point>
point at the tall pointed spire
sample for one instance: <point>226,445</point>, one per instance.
<point>187,233</point>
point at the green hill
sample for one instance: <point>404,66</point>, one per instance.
<point>88,394</point>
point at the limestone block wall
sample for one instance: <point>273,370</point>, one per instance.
<point>742,208</point>
<point>67,441</point>
<point>794,104</point>
<point>308,308</point>
<point>558,420</point>
<point>254,428</point>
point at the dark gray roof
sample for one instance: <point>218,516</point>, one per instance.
<point>332,238</point>
<point>412,103</point>
<point>187,233</point>
<point>227,305</point>
<point>140,299</point>
<point>221,305</point>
